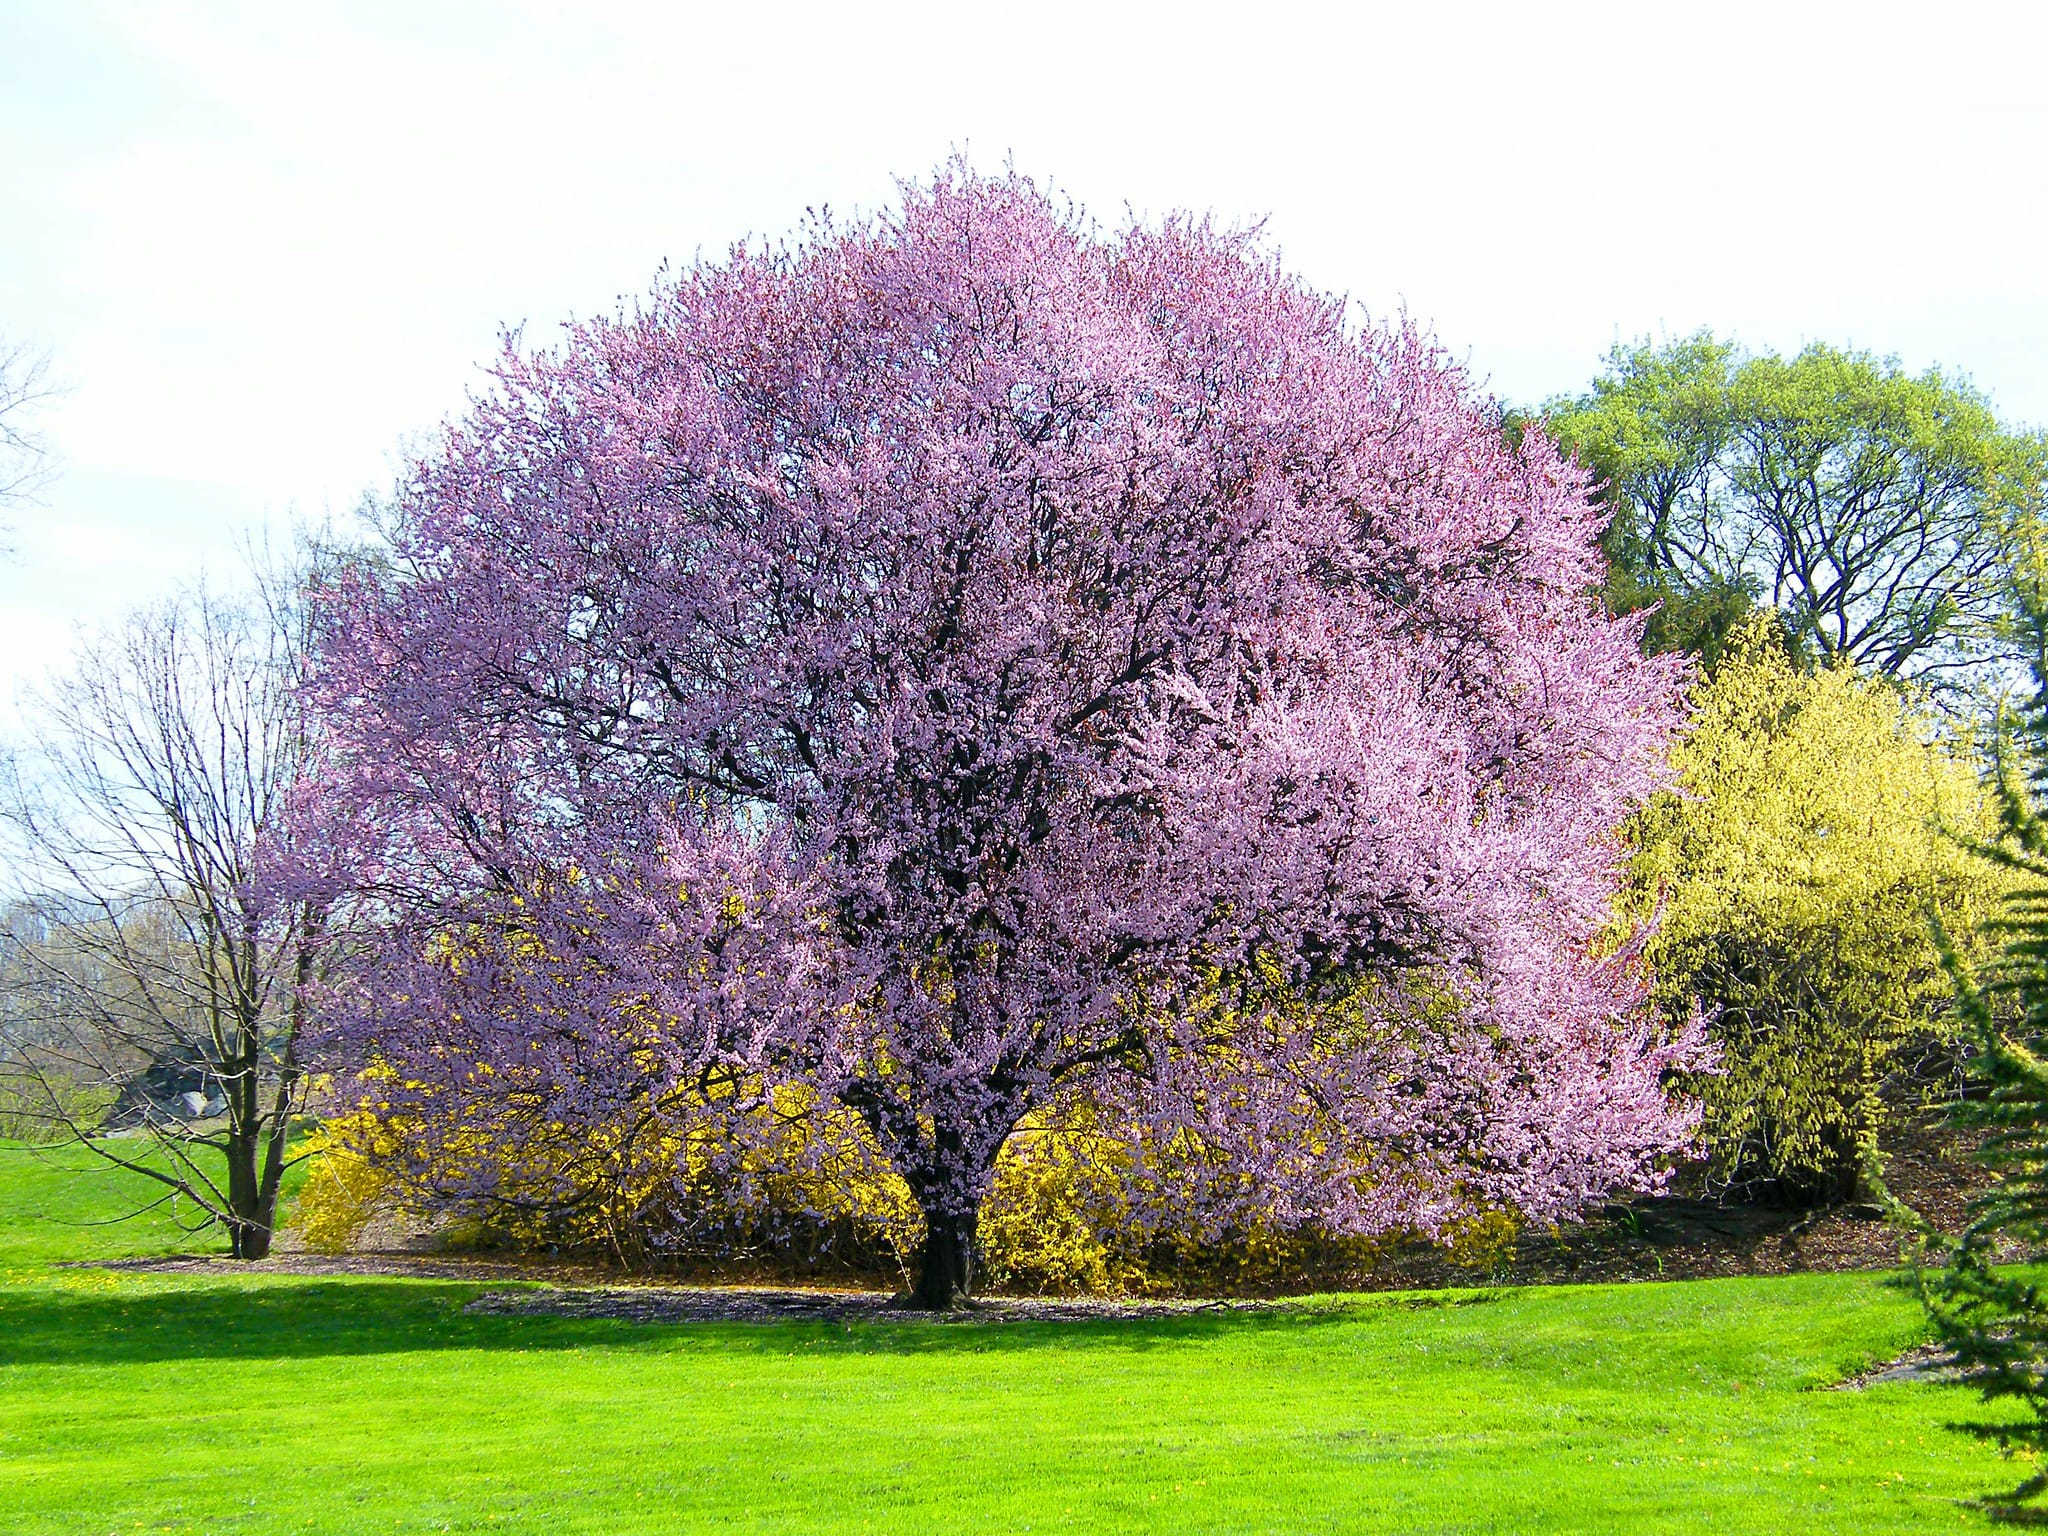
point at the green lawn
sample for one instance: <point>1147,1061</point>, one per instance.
<point>274,1404</point>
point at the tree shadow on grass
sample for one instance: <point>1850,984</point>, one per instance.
<point>47,1325</point>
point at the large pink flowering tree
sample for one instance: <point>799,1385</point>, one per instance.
<point>967,664</point>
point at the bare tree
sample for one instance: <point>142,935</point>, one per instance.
<point>24,453</point>
<point>156,981</point>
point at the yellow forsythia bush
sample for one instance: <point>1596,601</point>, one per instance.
<point>348,1185</point>
<point>1798,870</point>
<point>626,1197</point>
<point>1058,1219</point>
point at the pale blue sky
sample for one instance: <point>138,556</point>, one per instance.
<point>264,244</point>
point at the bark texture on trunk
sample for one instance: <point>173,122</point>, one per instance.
<point>249,1240</point>
<point>255,1170</point>
<point>945,1274</point>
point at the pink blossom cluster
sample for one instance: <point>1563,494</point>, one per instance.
<point>966,660</point>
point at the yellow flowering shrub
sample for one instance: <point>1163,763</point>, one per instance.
<point>1058,1220</point>
<point>1074,1207</point>
<point>348,1185</point>
<point>1797,872</point>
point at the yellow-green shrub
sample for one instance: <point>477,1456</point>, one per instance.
<point>1798,871</point>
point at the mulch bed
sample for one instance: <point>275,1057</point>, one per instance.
<point>1930,1362</point>
<point>579,1291</point>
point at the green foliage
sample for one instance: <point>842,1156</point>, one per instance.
<point>1649,430</point>
<point>1693,620</point>
<point>1794,873</point>
<point>1991,1310</point>
<point>1864,506</point>
<point>1992,1314</point>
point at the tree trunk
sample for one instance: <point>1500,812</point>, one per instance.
<point>249,1240</point>
<point>945,1274</point>
<point>249,1213</point>
<point>256,1144</point>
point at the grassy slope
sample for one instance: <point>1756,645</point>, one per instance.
<point>272,1403</point>
<point>62,1204</point>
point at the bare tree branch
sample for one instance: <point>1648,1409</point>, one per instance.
<point>25,387</point>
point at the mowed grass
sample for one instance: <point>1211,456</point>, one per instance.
<point>275,1403</point>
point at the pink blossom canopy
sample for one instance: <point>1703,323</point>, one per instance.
<point>966,663</point>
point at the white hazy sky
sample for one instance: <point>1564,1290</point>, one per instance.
<point>264,244</point>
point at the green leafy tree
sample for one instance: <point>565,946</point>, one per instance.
<point>1863,505</point>
<point>1794,872</point>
